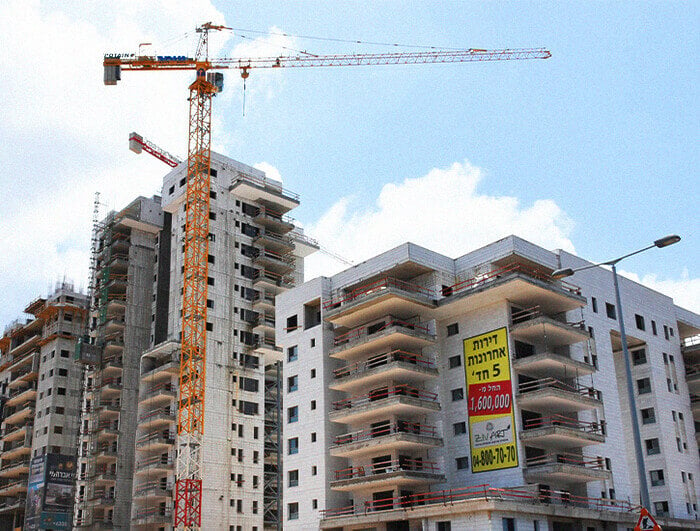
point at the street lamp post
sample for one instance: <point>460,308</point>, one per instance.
<point>562,273</point>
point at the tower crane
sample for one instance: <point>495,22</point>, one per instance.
<point>207,83</point>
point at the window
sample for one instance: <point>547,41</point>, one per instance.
<point>314,503</point>
<point>594,304</point>
<point>249,384</point>
<point>314,470</point>
<point>293,511</point>
<point>643,386</point>
<point>666,331</point>
<point>652,446</point>
<point>648,416</point>
<point>653,328</point>
<point>255,507</point>
<point>239,506</point>
<point>210,327</point>
<point>313,437</point>
<point>292,414</point>
<point>292,323</point>
<point>639,321</point>
<point>610,310</point>
<point>210,281</point>
<point>292,383</point>
<point>64,354</point>
<point>462,463</point>
<point>657,478</point>
<point>639,357</point>
<point>679,444</point>
<point>459,428</point>
<point>454,361</point>
<point>452,329</point>
<point>312,343</point>
<point>256,482</point>
<point>292,353</point>
<point>293,478</point>
<point>508,524</point>
<point>661,508</point>
<point>212,216</point>
<point>443,526</point>
<point>313,373</point>
<point>58,429</point>
<point>457,394</point>
<point>313,405</point>
<point>293,446</point>
<point>247,408</point>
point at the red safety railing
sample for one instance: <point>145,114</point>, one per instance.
<point>158,388</point>
<point>594,463</point>
<point>143,488</point>
<point>387,467</point>
<point>155,511</point>
<point>568,422</point>
<point>481,492</point>
<point>155,460</point>
<point>383,359</point>
<point>376,287</point>
<point>362,331</point>
<point>117,382</point>
<point>553,383</point>
<point>164,411</point>
<point>285,258</point>
<point>413,428</point>
<point>383,393</point>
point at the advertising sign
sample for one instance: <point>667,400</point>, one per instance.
<point>490,401</point>
<point>50,492</point>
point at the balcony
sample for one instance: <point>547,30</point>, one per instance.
<point>549,395</point>
<point>391,473</point>
<point>21,395</point>
<point>264,324</point>
<point>558,432</point>
<point>14,488</point>
<point>158,395</point>
<point>521,284</point>
<point>533,326</point>
<point>263,190</point>
<point>159,418</point>
<point>155,464</point>
<point>397,365</point>
<point>105,477</point>
<point>567,469</point>
<point>161,363</point>
<point>110,388</point>
<point>695,406</point>
<point>548,363</point>
<point>271,281</point>
<point>114,344</point>
<point>15,469</point>
<point>155,442</point>
<point>264,302</point>
<point>19,416</point>
<point>391,334</point>
<point>112,366</point>
<point>273,261</point>
<point>265,345</point>
<point>14,432</point>
<point>399,436</point>
<point>152,490</point>
<point>18,448</point>
<point>692,377</point>
<point>155,515</point>
<point>274,241</point>
<point>107,431</point>
<point>399,400</point>
<point>274,220</point>
<point>106,453</point>
<point>388,296</point>
<point>108,410</point>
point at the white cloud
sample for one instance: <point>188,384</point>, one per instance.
<point>269,169</point>
<point>443,211</point>
<point>684,291</point>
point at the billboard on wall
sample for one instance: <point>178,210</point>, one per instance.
<point>50,492</point>
<point>492,433</point>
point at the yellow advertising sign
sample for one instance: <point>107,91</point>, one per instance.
<point>492,433</point>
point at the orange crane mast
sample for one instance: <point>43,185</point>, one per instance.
<point>188,486</point>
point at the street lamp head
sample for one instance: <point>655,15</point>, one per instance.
<point>562,273</point>
<point>667,240</point>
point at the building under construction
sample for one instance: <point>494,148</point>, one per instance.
<point>40,389</point>
<point>129,411</point>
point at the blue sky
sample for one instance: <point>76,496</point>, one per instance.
<point>593,150</point>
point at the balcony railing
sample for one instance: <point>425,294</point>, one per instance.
<point>376,287</point>
<point>552,383</point>
<point>386,392</point>
<point>387,467</point>
<point>363,331</point>
<point>522,495</point>
<point>13,464</point>
<point>412,428</point>
<point>165,412</point>
<point>500,272</point>
<point>383,359</point>
<point>567,422</point>
<point>165,387</point>
<point>155,460</point>
<point>272,214</point>
<point>521,316</point>
<point>274,278</point>
<point>264,182</point>
<point>593,463</point>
